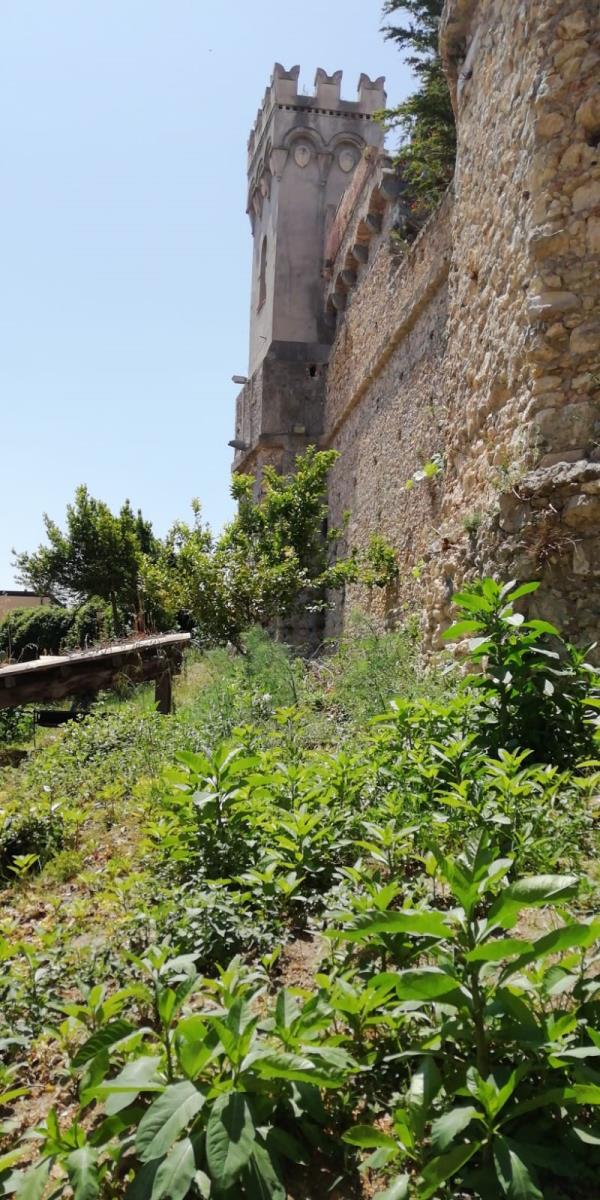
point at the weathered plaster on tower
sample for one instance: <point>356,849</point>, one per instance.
<point>302,153</point>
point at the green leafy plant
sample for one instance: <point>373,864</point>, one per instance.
<point>498,1055</point>
<point>532,681</point>
<point>425,118</point>
<point>430,469</point>
<point>221,1103</point>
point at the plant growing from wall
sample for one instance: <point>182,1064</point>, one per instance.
<point>429,470</point>
<point>425,119</point>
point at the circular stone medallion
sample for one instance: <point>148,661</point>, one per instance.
<point>347,159</point>
<point>301,154</point>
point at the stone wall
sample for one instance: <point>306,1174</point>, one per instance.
<point>481,342</point>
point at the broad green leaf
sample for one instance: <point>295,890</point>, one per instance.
<point>175,1173</point>
<point>542,627</point>
<point>425,1084</point>
<point>111,1127</point>
<point>397,1191</point>
<point>576,1052</point>
<point>472,602</point>
<point>326,1069</point>
<point>506,588</point>
<point>82,1170</point>
<point>281,1142</point>
<point>140,1188</point>
<point>425,983</point>
<point>13,1094</point>
<point>578,1093</point>
<point>586,1135</point>
<point>137,1076</point>
<point>167,1000</point>
<point>414,924</point>
<point>261,1181</point>
<point>33,1183</point>
<point>530,892</point>
<point>368,1138</point>
<point>203,1184</point>
<point>514,619</point>
<point>11,1157</point>
<point>162,1124</point>
<point>110,1035</point>
<point>524,589</point>
<point>497,949</point>
<point>230,1138</point>
<point>438,1170</point>
<point>287,1008</point>
<point>445,1128</point>
<point>195,1044</point>
<point>514,1176</point>
<point>565,938</point>
<point>460,627</point>
<point>585,1093</point>
<point>504,1093</point>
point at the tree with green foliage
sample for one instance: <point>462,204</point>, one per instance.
<point>276,550</point>
<point>98,554</point>
<point>425,119</point>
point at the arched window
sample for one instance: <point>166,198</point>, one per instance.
<point>262,278</point>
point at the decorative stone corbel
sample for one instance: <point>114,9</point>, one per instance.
<point>324,159</point>
<point>278,160</point>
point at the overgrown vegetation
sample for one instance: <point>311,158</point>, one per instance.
<point>27,633</point>
<point>425,120</point>
<point>98,554</point>
<point>331,927</point>
<point>276,553</point>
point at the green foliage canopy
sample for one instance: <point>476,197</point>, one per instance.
<point>425,119</point>
<point>275,550</point>
<point>98,554</point>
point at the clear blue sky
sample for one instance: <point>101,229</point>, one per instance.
<point>124,246</point>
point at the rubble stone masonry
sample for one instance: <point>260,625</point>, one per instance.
<point>480,341</point>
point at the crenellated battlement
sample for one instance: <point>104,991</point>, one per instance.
<point>326,98</point>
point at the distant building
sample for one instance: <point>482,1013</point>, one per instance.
<point>20,599</point>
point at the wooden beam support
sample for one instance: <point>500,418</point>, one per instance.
<point>54,678</point>
<point>163,691</point>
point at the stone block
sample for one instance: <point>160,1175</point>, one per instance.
<point>547,242</point>
<point>586,196</point>
<point>549,124</point>
<point>582,512</point>
<point>585,557</point>
<point>574,24</point>
<point>593,235</point>
<point>585,338</point>
<point>588,113</point>
<point>568,427</point>
<point>544,305</point>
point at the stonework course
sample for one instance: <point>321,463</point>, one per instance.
<point>474,345</point>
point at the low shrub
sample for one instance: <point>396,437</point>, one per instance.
<point>27,633</point>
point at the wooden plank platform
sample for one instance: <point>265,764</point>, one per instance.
<point>55,676</point>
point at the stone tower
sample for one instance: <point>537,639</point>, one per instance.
<point>302,154</point>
